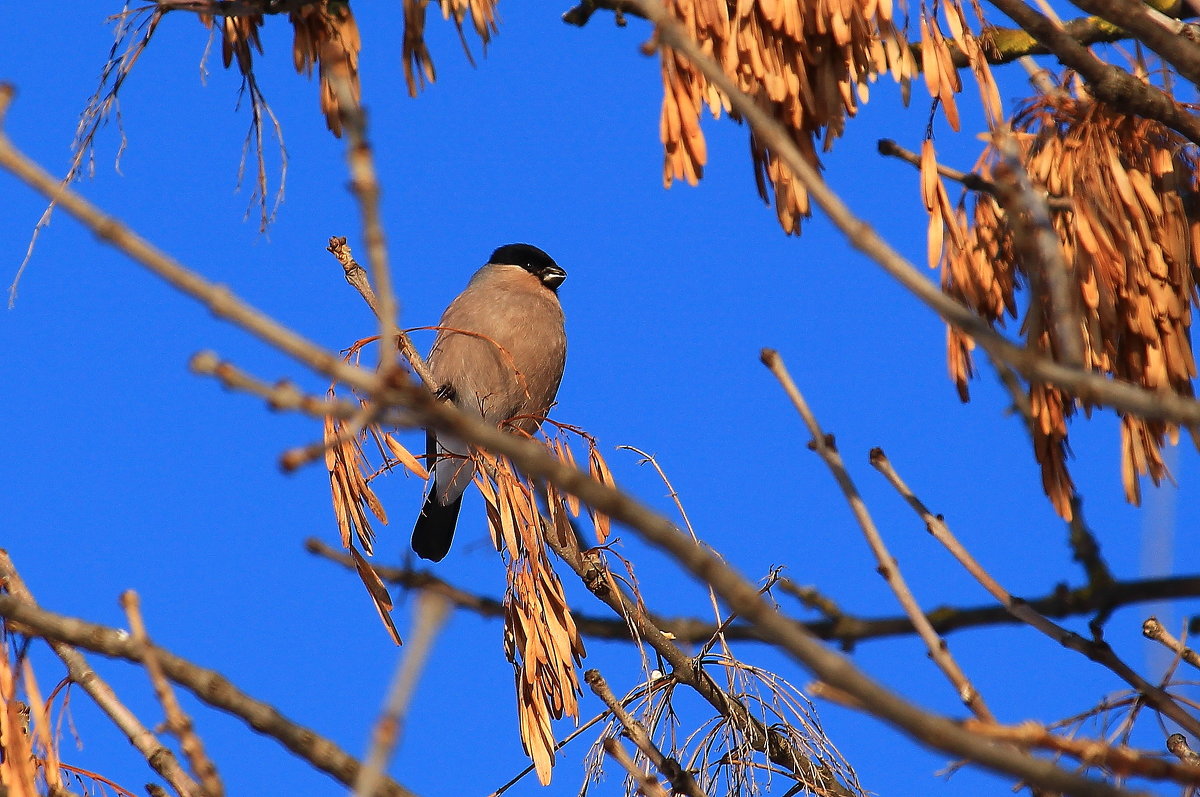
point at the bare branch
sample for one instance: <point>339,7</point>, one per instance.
<point>647,785</point>
<point>1097,650</point>
<point>560,745</point>
<point>1028,217</point>
<point>356,275</point>
<point>681,780</point>
<point>1153,629</point>
<point>157,755</point>
<point>177,720</point>
<point>430,613</point>
<point>283,395</point>
<point>365,187</point>
<point>1085,550</point>
<point>969,180</point>
<point>888,567</point>
<point>847,629</point>
<point>1108,83</point>
<point>1178,746</point>
<point>1153,29</point>
<point>208,685</point>
<point>1087,386</point>
<point>1117,758</point>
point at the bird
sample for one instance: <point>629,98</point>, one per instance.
<point>500,353</point>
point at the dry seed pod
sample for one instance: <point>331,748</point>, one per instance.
<point>1129,247</point>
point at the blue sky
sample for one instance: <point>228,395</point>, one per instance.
<point>125,471</point>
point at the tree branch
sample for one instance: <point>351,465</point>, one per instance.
<point>682,781</point>
<point>1152,629</point>
<point>157,755</point>
<point>1096,650</point>
<point>1090,387</point>
<point>888,567</point>
<point>969,180</point>
<point>1001,45</point>
<point>1156,32</point>
<point>1107,83</point>
<point>208,685</point>
<point>846,629</point>
<point>178,721</point>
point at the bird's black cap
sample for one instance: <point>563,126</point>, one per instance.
<point>533,260</point>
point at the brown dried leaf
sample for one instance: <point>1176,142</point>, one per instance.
<point>404,456</point>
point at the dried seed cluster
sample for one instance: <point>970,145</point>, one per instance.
<point>1122,185</point>
<point>418,63</point>
<point>808,63</point>
<point>540,637</point>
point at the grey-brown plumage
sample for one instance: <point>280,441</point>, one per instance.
<point>500,352</point>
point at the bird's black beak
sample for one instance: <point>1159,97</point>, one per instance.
<point>552,277</point>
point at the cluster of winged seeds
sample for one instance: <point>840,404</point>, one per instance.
<point>1120,187</point>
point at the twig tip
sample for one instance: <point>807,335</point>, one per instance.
<point>7,92</point>
<point>204,362</point>
<point>292,460</point>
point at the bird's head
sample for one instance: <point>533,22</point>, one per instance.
<point>533,260</point>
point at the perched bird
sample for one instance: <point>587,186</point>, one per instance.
<point>500,352</point>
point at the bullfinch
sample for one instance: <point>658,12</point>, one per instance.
<point>499,353</point>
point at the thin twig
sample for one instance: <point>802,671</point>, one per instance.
<point>282,395</point>
<point>301,456</point>
<point>1028,217</point>
<point>575,734</point>
<point>646,784</point>
<point>1177,745</point>
<point>1117,758</point>
<point>1097,651</point>
<point>681,780</point>
<point>430,615</point>
<point>838,626</point>
<point>365,187</point>
<point>177,720</point>
<point>157,755</point>
<point>812,598</point>
<point>1039,76</point>
<point>888,567</point>
<point>356,275</point>
<point>285,395</point>
<point>721,622</point>
<point>1085,549</point>
<point>969,180</point>
<point>1153,629</point>
<point>208,685</point>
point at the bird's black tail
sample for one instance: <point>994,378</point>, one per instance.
<point>434,531</point>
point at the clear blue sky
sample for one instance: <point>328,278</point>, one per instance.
<point>122,470</point>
